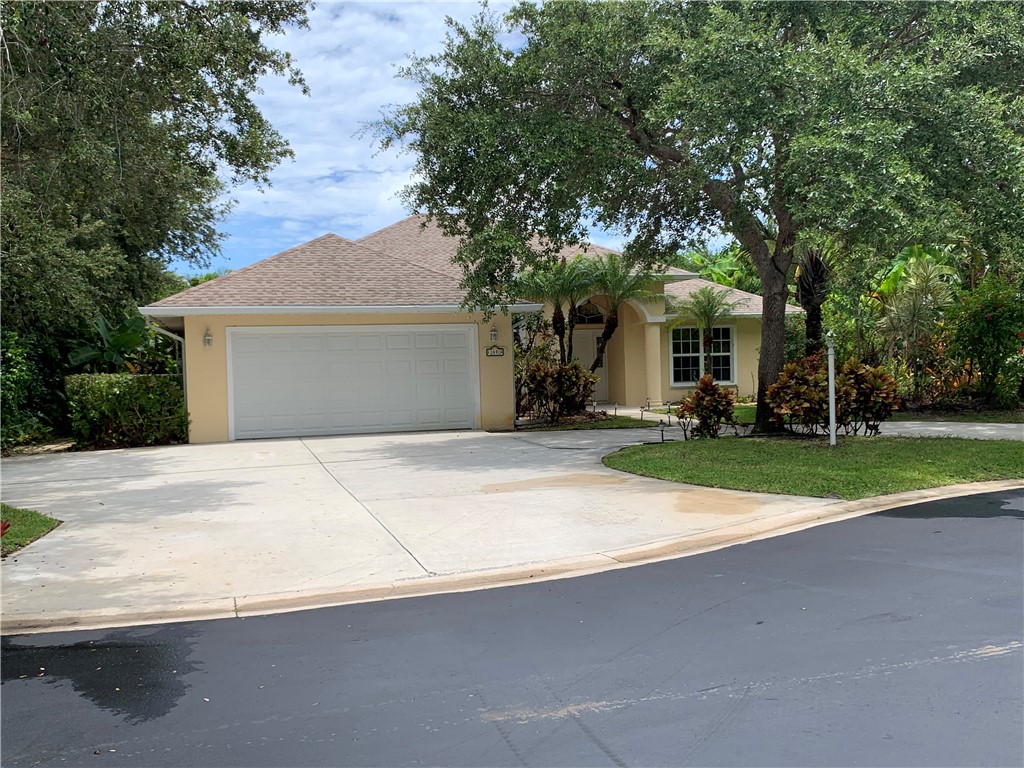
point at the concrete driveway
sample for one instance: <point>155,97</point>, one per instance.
<point>248,527</point>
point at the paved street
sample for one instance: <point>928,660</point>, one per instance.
<point>891,639</point>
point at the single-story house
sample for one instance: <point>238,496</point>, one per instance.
<point>336,336</point>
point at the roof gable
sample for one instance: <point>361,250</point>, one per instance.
<point>747,304</point>
<point>420,241</point>
<point>329,271</point>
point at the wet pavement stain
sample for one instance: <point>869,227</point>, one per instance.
<point>137,676</point>
<point>716,502</point>
<point>1008,504</point>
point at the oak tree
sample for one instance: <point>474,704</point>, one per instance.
<point>666,120</point>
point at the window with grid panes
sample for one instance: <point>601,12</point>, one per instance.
<point>687,358</point>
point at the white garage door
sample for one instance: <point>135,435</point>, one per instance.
<point>329,381</point>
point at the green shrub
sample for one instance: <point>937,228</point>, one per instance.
<point>533,343</point>
<point>18,376</point>
<point>121,410</point>
<point>865,396</point>
<point>873,397</point>
<point>554,390</point>
<point>988,328</point>
<point>710,406</point>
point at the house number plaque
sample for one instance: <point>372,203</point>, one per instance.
<point>495,351</point>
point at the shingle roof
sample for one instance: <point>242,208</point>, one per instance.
<point>405,264</point>
<point>423,242</point>
<point>746,303</point>
<point>328,271</point>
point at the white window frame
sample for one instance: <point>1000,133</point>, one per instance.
<point>700,363</point>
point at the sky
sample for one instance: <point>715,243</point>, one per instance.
<point>338,182</point>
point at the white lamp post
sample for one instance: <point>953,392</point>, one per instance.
<point>830,340</point>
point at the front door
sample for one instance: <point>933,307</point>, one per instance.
<point>584,349</point>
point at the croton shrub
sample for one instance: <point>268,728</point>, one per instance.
<point>865,396</point>
<point>707,409</point>
<point>553,390</point>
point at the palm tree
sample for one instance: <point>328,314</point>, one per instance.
<point>563,285</point>
<point>577,279</point>
<point>705,307</point>
<point>910,314</point>
<point>812,278</point>
<point>619,281</point>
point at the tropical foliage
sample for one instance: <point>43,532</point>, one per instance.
<point>871,123</point>
<point>865,396</point>
<point>708,408</point>
<point>123,125</point>
<point>120,410</point>
<point>988,330</point>
<point>554,391</point>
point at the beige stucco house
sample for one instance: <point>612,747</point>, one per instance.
<point>336,336</point>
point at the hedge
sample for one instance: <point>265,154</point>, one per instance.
<point>122,410</point>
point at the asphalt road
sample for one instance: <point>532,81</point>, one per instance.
<point>893,639</point>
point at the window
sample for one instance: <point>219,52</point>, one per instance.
<point>589,313</point>
<point>687,356</point>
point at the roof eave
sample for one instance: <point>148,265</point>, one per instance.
<point>303,309</point>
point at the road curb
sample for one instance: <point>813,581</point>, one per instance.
<point>249,606</point>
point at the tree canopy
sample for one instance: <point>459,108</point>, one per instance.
<point>122,126</point>
<point>664,120</point>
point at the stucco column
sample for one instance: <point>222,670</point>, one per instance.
<point>652,356</point>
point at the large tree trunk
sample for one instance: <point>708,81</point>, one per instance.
<point>773,268</point>
<point>610,324</point>
<point>773,329</point>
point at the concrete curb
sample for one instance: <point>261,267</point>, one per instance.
<point>245,606</point>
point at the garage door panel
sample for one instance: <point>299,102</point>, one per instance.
<point>428,367</point>
<point>428,340</point>
<point>400,367</point>
<point>456,367</point>
<point>337,342</point>
<point>398,341</point>
<point>370,341</point>
<point>456,341</point>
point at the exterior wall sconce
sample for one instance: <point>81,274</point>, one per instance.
<point>494,334</point>
<point>207,338</point>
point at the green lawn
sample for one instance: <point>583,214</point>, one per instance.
<point>991,417</point>
<point>612,422</point>
<point>26,527</point>
<point>857,468</point>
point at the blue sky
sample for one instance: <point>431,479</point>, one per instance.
<point>338,182</point>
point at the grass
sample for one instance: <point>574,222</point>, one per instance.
<point>612,422</point>
<point>992,417</point>
<point>26,527</point>
<point>855,469</point>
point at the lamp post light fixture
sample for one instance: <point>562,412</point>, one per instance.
<point>830,339</point>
